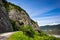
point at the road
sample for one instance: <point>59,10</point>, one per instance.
<point>4,36</point>
<point>58,36</point>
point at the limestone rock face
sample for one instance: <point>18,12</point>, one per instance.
<point>5,25</point>
<point>11,12</point>
<point>20,15</point>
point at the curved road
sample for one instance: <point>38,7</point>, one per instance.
<point>4,36</point>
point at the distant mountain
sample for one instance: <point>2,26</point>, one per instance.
<point>50,27</point>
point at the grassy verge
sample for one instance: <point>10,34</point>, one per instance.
<point>37,36</point>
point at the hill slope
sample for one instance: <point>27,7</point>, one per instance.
<point>5,25</point>
<point>13,17</point>
<point>50,27</point>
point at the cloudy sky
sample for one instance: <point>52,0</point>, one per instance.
<point>45,12</point>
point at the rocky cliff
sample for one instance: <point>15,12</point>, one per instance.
<point>13,16</point>
<point>5,25</point>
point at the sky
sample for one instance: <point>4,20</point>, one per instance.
<point>44,12</point>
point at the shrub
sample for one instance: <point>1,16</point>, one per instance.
<point>28,30</point>
<point>21,36</point>
<point>14,26</point>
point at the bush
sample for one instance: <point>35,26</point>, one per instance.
<point>21,36</point>
<point>28,30</point>
<point>14,26</point>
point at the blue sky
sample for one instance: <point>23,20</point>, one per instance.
<point>45,12</point>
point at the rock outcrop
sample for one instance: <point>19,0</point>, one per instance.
<point>14,16</point>
<point>5,25</point>
<point>19,15</point>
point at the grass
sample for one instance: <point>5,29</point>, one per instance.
<point>18,36</point>
<point>28,33</point>
<point>37,36</point>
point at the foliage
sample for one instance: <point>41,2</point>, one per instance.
<point>21,36</point>
<point>16,7</point>
<point>15,28</point>
<point>6,4</point>
<point>50,27</point>
<point>29,34</point>
<point>28,30</point>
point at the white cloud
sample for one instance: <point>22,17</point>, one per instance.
<point>51,20</point>
<point>42,9</point>
<point>34,13</point>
